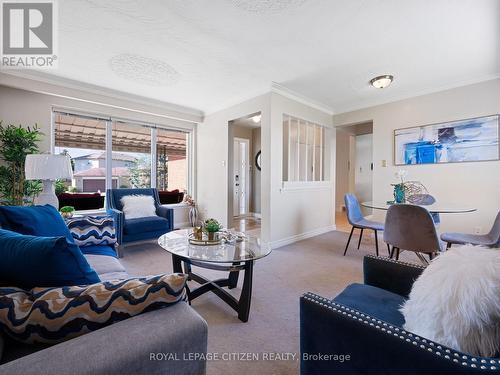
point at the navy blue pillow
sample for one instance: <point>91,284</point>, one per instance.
<point>29,261</point>
<point>42,221</point>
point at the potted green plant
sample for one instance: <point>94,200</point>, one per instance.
<point>212,226</point>
<point>67,211</point>
<point>15,143</point>
<point>60,187</point>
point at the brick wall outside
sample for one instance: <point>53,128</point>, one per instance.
<point>177,174</point>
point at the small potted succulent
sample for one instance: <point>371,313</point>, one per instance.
<point>67,211</point>
<point>212,226</point>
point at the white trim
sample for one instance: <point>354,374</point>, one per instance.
<point>305,185</point>
<point>108,175</point>
<point>191,182</point>
<point>290,94</point>
<point>246,141</point>
<point>299,237</point>
<point>153,149</point>
<point>52,133</point>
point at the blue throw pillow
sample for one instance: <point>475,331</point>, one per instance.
<point>29,261</point>
<point>42,221</point>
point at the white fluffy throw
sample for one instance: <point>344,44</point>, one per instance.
<point>456,301</point>
<point>136,206</point>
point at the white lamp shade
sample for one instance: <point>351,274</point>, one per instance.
<point>48,167</point>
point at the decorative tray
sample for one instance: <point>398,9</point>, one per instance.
<point>204,241</point>
<point>221,238</point>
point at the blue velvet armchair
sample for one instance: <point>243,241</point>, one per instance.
<point>360,331</point>
<point>144,228</point>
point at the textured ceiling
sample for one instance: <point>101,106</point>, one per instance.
<point>212,54</point>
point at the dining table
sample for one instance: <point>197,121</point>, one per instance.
<point>432,208</point>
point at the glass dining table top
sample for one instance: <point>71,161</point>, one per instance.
<point>435,207</point>
<point>177,243</point>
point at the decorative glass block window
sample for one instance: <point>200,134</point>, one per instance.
<point>303,150</point>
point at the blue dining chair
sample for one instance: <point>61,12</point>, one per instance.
<point>491,239</point>
<point>356,219</point>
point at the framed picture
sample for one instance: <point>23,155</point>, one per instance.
<point>475,139</point>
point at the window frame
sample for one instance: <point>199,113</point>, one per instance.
<point>154,127</point>
<point>303,180</point>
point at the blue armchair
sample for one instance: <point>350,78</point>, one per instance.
<point>144,228</point>
<point>360,331</point>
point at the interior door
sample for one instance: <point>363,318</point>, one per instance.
<point>364,169</point>
<point>241,177</point>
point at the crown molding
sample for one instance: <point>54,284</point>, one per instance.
<point>290,94</point>
<point>41,82</point>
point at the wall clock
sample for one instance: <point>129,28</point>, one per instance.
<point>257,160</point>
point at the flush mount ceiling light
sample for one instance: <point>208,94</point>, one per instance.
<point>381,82</point>
<point>256,119</point>
<point>267,6</point>
<point>144,70</point>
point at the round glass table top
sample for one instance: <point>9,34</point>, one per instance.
<point>435,207</point>
<point>251,248</point>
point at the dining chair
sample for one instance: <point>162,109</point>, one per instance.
<point>425,200</point>
<point>410,227</point>
<point>491,239</point>
<point>357,220</point>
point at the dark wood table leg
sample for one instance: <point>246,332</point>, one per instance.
<point>241,305</point>
<point>233,277</point>
<point>246,293</point>
<point>177,264</point>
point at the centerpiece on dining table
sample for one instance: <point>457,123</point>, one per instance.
<point>211,232</point>
<point>413,192</point>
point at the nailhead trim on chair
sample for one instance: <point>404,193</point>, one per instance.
<point>420,267</point>
<point>422,343</point>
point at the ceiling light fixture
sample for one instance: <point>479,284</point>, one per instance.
<point>381,82</point>
<point>256,119</point>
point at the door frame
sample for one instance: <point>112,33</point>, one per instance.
<point>247,174</point>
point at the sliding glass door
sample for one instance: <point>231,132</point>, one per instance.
<point>114,153</point>
<point>131,153</point>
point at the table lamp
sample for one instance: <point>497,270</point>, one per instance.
<point>48,168</point>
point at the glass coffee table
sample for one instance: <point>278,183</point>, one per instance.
<point>228,257</point>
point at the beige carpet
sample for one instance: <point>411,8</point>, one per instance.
<point>315,264</point>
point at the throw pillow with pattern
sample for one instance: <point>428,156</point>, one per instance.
<point>53,315</point>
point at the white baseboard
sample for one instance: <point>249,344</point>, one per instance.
<point>302,236</point>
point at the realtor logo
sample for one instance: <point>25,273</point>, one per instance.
<point>28,34</point>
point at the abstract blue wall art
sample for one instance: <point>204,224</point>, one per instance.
<point>475,139</point>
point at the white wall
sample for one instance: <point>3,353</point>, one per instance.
<point>287,215</point>
<point>474,184</point>
<point>302,212</point>
<point>212,162</point>
<point>256,175</point>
